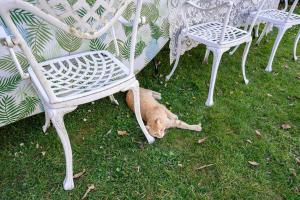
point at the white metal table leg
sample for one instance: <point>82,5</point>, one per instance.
<point>295,45</point>
<point>56,116</point>
<point>217,59</point>
<point>137,109</point>
<point>245,55</point>
<point>177,59</point>
<point>281,32</point>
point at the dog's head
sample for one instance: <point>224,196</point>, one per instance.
<point>156,128</point>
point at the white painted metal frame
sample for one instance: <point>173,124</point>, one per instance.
<point>64,83</point>
<point>282,20</point>
<point>218,37</point>
<point>295,45</point>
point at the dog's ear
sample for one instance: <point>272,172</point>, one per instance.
<point>147,127</point>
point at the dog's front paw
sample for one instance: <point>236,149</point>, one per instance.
<point>198,128</point>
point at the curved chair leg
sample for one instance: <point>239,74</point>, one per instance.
<point>137,109</point>
<point>275,47</point>
<point>177,59</point>
<point>205,60</point>
<point>245,55</point>
<point>234,50</point>
<point>257,30</point>
<point>57,116</point>
<point>295,46</point>
<point>113,100</point>
<point>264,32</point>
<point>217,59</point>
<point>47,122</point>
<point>237,47</point>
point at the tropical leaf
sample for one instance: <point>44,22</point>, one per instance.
<point>7,64</point>
<point>111,46</point>
<point>129,11</point>
<point>150,11</point>
<point>155,31</point>
<point>97,44</point>
<point>38,35</point>
<point>28,106</point>
<point>67,41</point>
<point>127,30</point>
<point>9,84</point>
<point>21,16</point>
<point>165,28</point>
<point>125,49</point>
<point>9,110</point>
<point>139,48</point>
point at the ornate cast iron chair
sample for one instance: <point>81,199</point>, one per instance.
<point>283,20</point>
<point>219,37</point>
<point>67,82</point>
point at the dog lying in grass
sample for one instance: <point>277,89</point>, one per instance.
<point>157,117</point>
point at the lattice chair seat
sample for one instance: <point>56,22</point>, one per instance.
<point>212,32</point>
<point>84,74</point>
<point>278,16</point>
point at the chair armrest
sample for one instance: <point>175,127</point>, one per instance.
<point>125,22</point>
<point>9,43</point>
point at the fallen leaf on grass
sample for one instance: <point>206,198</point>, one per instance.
<point>249,141</point>
<point>258,134</point>
<point>123,133</point>
<point>286,126</point>
<point>204,166</point>
<point>297,160</point>
<point>286,66</point>
<point>90,188</point>
<point>78,175</point>
<point>138,168</point>
<point>200,141</point>
<point>293,172</point>
<point>253,163</point>
<point>269,95</point>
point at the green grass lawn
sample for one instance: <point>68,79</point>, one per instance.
<point>125,167</point>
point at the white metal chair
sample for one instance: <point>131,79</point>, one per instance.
<point>282,20</point>
<point>219,37</point>
<point>64,83</point>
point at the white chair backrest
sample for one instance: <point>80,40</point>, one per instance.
<point>260,4</point>
<point>76,17</point>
